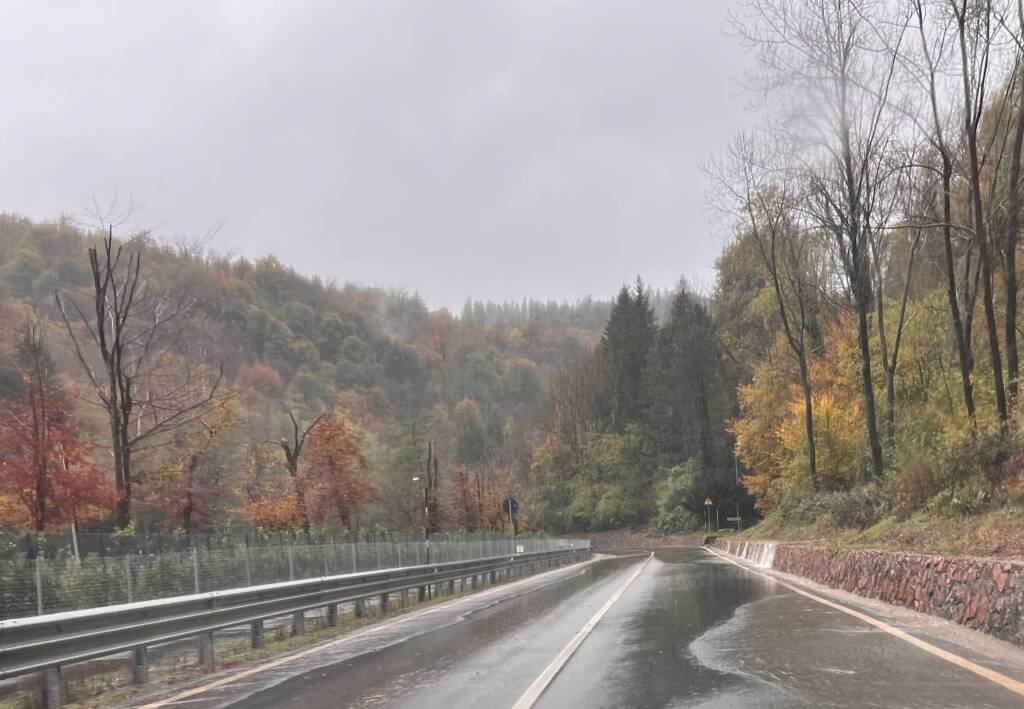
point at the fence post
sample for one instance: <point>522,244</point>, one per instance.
<point>195,568</point>
<point>248,566</point>
<point>291,563</point>
<point>39,588</point>
<point>128,574</point>
<point>355,563</point>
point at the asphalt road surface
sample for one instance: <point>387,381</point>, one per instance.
<point>682,629</point>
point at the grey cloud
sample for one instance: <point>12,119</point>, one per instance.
<point>544,149</point>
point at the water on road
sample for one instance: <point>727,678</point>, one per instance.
<point>691,631</point>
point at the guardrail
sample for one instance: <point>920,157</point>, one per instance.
<point>45,643</point>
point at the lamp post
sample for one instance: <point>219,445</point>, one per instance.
<point>426,515</point>
<point>707,514</point>
<point>736,469</point>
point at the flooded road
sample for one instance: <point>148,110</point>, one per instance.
<point>692,630</point>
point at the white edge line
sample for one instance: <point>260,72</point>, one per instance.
<point>991,675</point>
<point>536,689</point>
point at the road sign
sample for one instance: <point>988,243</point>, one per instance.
<point>509,506</point>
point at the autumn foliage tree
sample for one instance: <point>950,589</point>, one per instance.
<point>336,473</point>
<point>47,478</point>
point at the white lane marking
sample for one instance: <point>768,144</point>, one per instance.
<point>536,689</point>
<point>991,675</point>
<point>181,697</point>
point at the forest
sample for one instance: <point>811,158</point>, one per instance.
<point>855,363</point>
<point>158,386</point>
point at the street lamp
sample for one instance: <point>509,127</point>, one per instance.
<point>426,515</point>
<point>736,469</point>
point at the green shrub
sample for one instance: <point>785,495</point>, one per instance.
<point>678,520</point>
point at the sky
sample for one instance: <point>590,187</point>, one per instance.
<point>499,150</point>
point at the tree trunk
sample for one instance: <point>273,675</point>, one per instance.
<point>1012,236</point>
<point>870,416</point>
<point>812,454</point>
<point>962,344</point>
<point>980,232</point>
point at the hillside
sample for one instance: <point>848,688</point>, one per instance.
<point>395,372</point>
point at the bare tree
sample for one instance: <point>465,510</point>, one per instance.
<point>767,202</point>
<point>830,58</point>
<point>926,64</point>
<point>975,29</point>
<point>143,384</point>
<point>292,448</point>
<point>1013,207</point>
<point>883,243</point>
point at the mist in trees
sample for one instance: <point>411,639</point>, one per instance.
<point>630,420</point>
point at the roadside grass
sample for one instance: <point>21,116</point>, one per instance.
<point>111,683</point>
<point>998,533</point>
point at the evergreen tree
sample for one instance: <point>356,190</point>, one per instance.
<point>685,387</point>
<point>626,345</point>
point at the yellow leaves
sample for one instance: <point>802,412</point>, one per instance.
<point>771,432</point>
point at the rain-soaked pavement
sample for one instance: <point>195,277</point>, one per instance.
<point>691,631</point>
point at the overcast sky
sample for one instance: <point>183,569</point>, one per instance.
<point>498,149</point>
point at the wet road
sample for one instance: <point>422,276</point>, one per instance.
<point>692,630</point>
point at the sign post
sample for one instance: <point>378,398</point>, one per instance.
<point>511,508</point>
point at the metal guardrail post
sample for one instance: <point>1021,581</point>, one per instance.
<point>332,615</point>
<point>206,650</point>
<point>405,598</point>
<point>383,603</point>
<point>360,608</point>
<point>298,623</point>
<point>51,686</point>
<point>140,665</point>
<point>256,634</point>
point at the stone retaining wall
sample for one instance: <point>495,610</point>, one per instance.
<point>983,594</point>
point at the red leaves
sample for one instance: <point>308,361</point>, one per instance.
<point>335,476</point>
<point>47,478</point>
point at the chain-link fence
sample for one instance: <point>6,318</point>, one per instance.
<point>36,583</point>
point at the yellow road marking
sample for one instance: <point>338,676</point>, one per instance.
<point>320,647</point>
<point>991,675</point>
<point>536,689</point>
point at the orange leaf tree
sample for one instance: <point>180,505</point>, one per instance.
<point>336,473</point>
